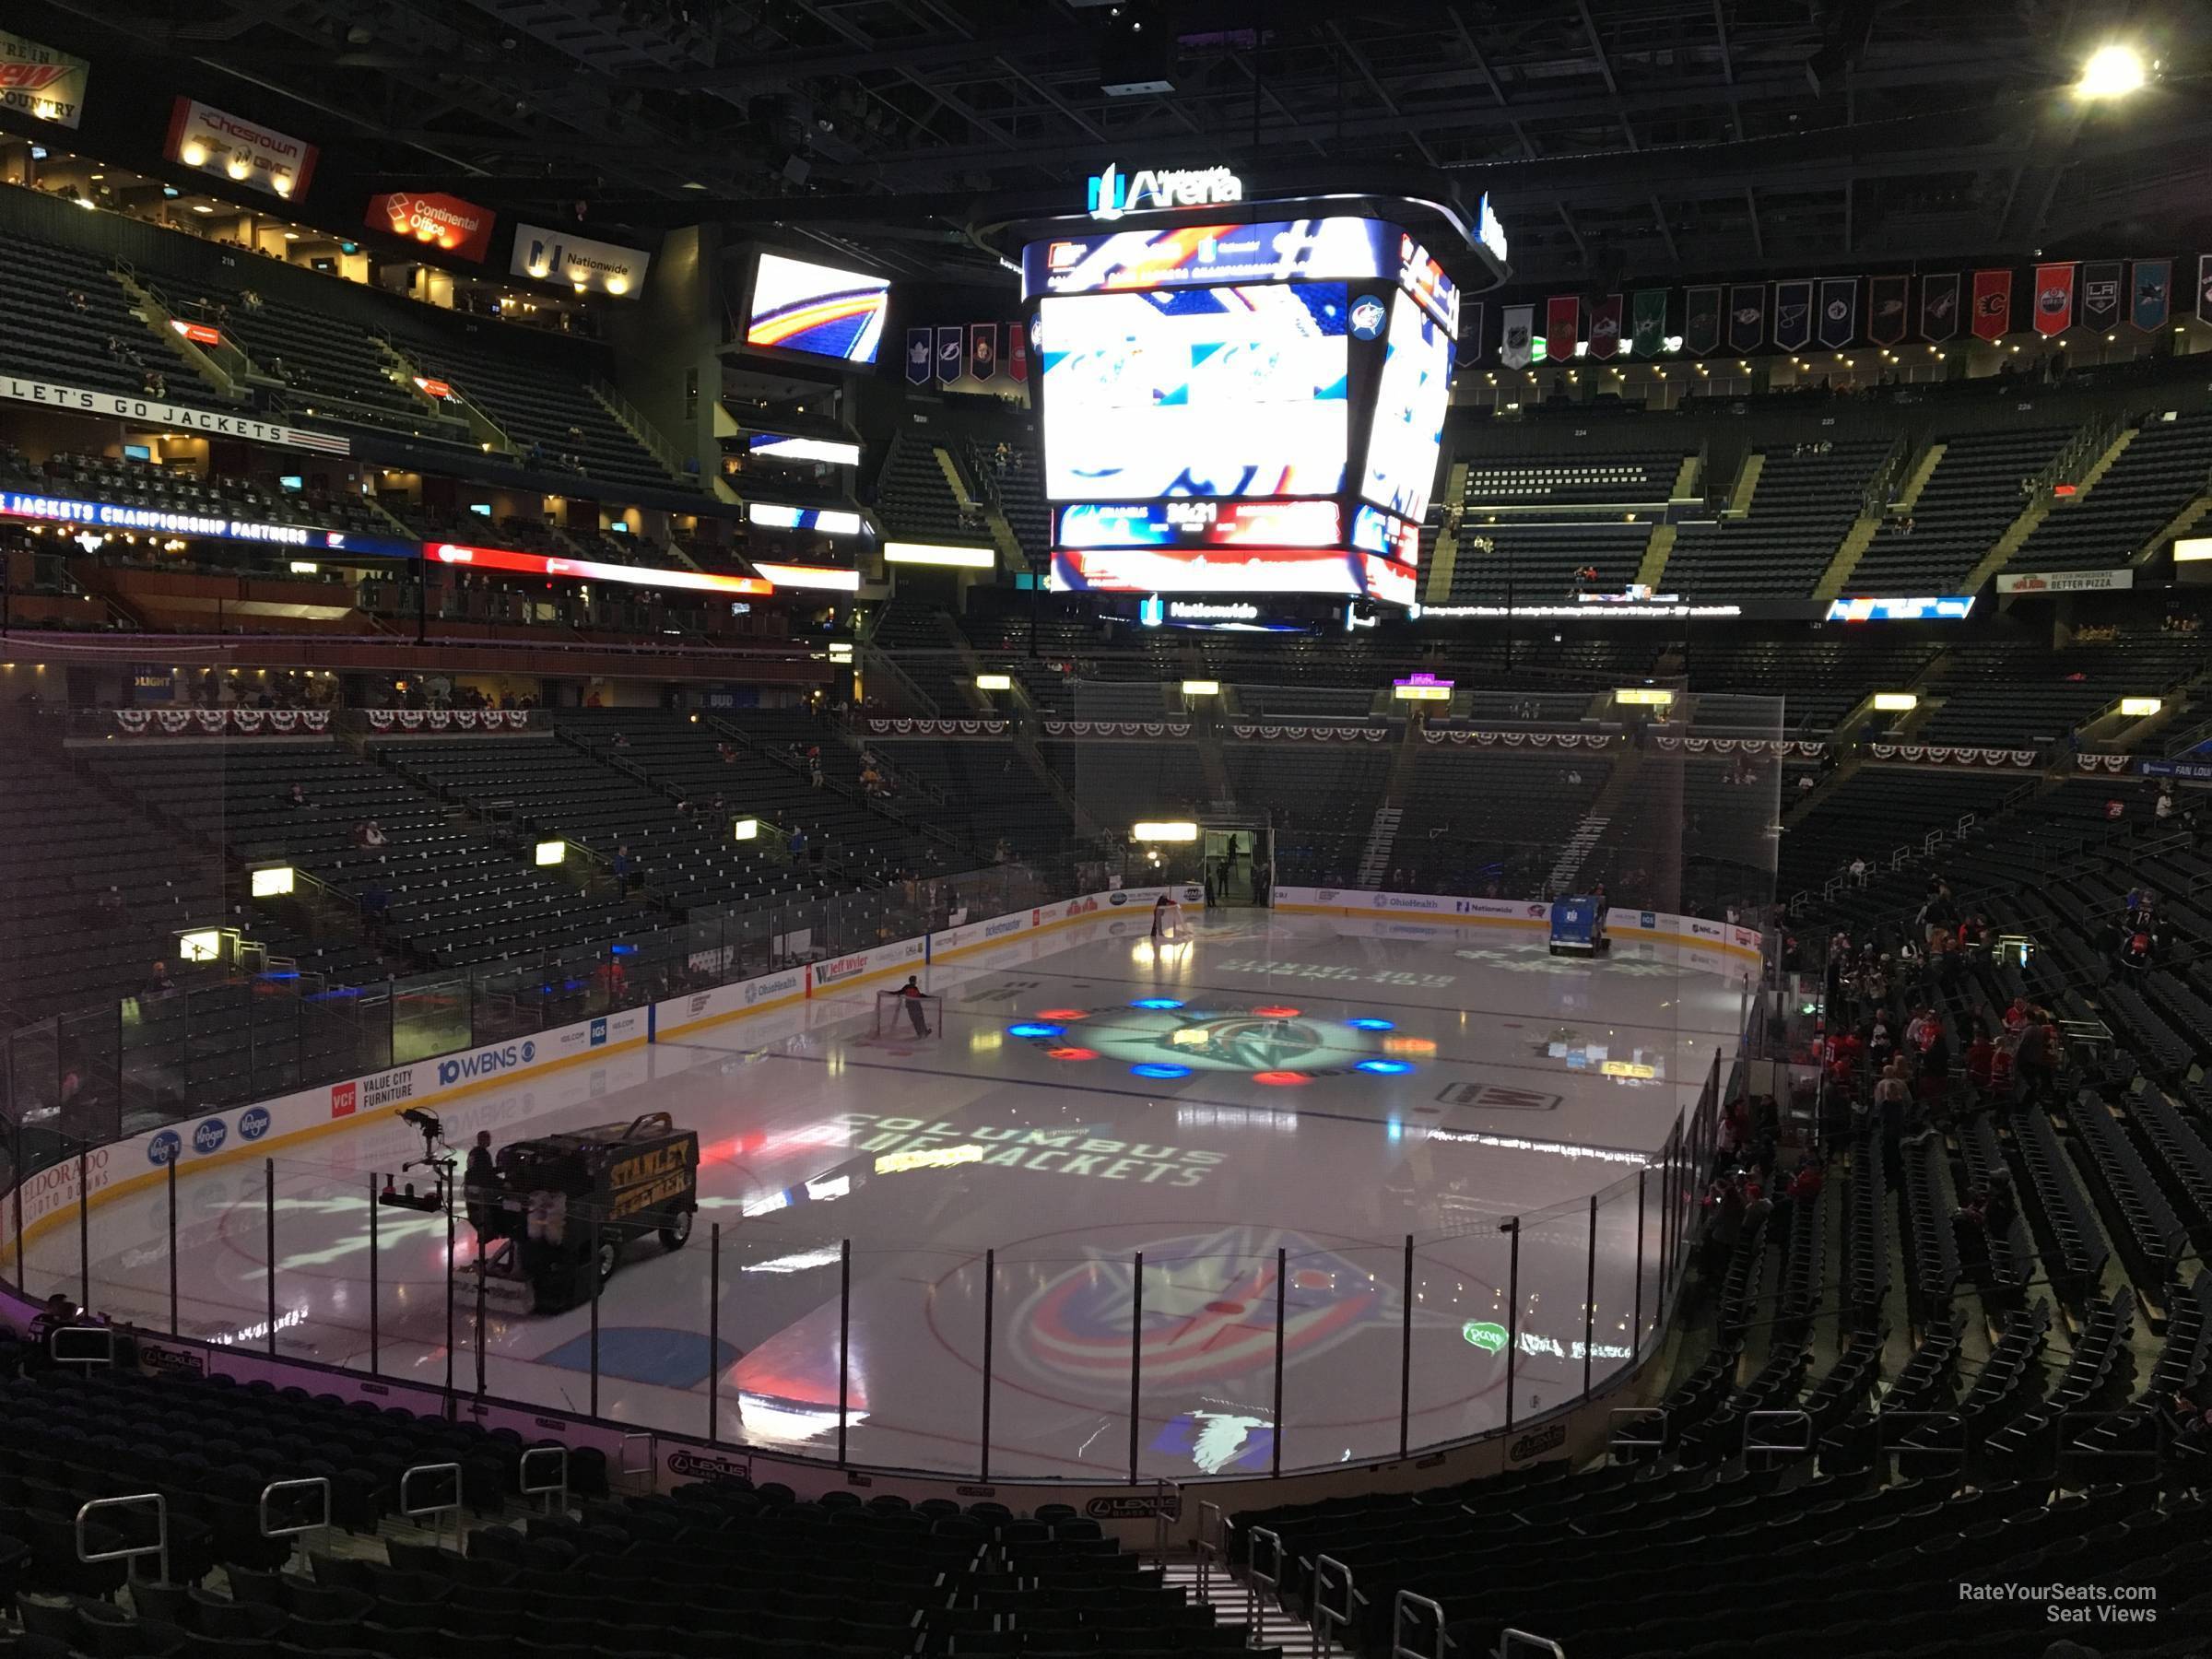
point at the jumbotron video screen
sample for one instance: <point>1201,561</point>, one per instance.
<point>1246,408</point>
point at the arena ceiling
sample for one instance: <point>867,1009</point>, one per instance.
<point>1619,137</point>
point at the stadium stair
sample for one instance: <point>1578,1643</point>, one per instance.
<point>2175,528</point>
<point>482,429</point>
<point>1747,485</point>
<point>1381,836</point>
<point>1655,551</point>
<point>222,368</point>
<point>1445,554</point>
<point>631,420</point>
<point>1008,544</point>
<point>2042,501</point>
<point>1610,801</point>
<point>1868,525</point>
<point>1265,1625</point>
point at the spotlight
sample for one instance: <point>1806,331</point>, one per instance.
<point>2112,72</point>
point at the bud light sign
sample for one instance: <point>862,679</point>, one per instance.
<point>485,1063</point>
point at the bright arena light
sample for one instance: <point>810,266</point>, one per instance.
<point>2112,72</point>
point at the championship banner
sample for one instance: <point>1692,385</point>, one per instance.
<point>1562,326</point>
<point>41,83</point>
<point>1992,304</point>
<point>982,350</point>
<point>1605,327</point>
<point>917,356</point>
<point>1888,300</point>
<point>239,152</point>
<point>1514,345</point>
<point>948,354</point>
<point>1746,317</point>
<point>1649,333</point>
<point>2203,287</point>
<point>1839,311</point>
<point>1017,350</point>
<point>1701,323</point>
<point>2100,295</point>
<point>1939,306</point>
<point>2152,288</point>
<point>2053,299</point>
<point>423,216</point>
<point>1793,315</point>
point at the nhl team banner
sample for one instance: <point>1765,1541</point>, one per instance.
<point>41,83</point>
<point>2152,288</point>
<point>1701,322</point>
<point>2053,299</point>
<point>1017,350</point>
<point>982,350</point>
<point>917,356</point>
<point>1993,303</point>
<point>2100,295</point>
<point>1793,314</point>
<point>1648,334</point>
<point>1939,306</point>
<point>1605,327</point>
<point>1467,348</point>
<point>1746,317</point>
<point>1513,345</point>
<point>1562,326</point>
<point>2203,287</point>
<point>949,354</point>
<point>1839,312</point>
<point>1888,302</point>
<point>239,151</point>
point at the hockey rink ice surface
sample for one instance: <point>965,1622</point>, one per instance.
<point>1316,1084</point>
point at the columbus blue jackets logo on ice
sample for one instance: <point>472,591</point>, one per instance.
<point>1208,1307</point>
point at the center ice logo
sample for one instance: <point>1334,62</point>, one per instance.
<point>1208,1307</point>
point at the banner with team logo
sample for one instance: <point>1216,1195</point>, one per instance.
<point>1839,312</point>
<point>1888,300</point>
<point>1605,327</point>
<point>982,350</point>
<point>1520,329</point>
<point>1992,304</point>
<point>1467,348</point>
<point>1939,307</point>
<point>1746,317</point>
<point>2100,295</point>
<point>949,358</point>
<point>2053,299</point>
<point>917,356</point>
<point>1701,322</point>
<point>1649,332</point>
<point>2151,292</point>
<point>2203,287</point>
<point>1562,326</point>
<point>1017,350</point>
<point>1793,314</point>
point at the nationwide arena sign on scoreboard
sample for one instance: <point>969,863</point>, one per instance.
<point>1241,407</point>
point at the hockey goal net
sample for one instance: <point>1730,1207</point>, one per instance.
<point>1168,923</point>
<point>895,1014</point>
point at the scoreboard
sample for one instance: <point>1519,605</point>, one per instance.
<point>1246,408</point>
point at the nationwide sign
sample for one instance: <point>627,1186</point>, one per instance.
<point>1151,191</point>
<point>450,224</point>
<point>557,256</point>
<point>213,141</point>
<point>145,412</point>
<point>38,81</point>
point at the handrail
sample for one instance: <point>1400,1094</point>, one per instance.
<point>1615,1442</point>
<point>160,1547</point>
<point>1399,1648</point>
<point>309,1483</point>
<point>1327,1571</point>
<point>558,1484</point>
<point>1772,1448</point>
<point>1508,1637</point>
<point>417,1511</point>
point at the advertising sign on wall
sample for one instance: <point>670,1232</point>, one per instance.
<point>38,81</point>
<point>562,257</point>
<point>239,151</point>
<point>450,224</point>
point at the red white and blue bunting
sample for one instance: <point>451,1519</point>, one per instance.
<point>917,727</point>
<point>1318,734</point>
<point>211,722</point>
<point>446,720</point>
<point>1117,728</point>
<point>1926,754</point>
<point>1780,748</point>
<point>1566,740</point>
<point>2111,763</point>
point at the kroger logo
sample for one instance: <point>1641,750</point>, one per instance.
<point>164,1148</point>
<point>253,1122</point>
<point>486,1063</point>
<point>210,1135</point>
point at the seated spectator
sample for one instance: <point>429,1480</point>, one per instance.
<point>158,983</point>
<point>296,796</point>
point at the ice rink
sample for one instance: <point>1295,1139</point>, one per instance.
<point>1315,1085</point>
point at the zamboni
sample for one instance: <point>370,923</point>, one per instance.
<point>1578,926</point>
<point>566,1205</point>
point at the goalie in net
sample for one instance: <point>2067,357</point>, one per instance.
<point>908,1011</point>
